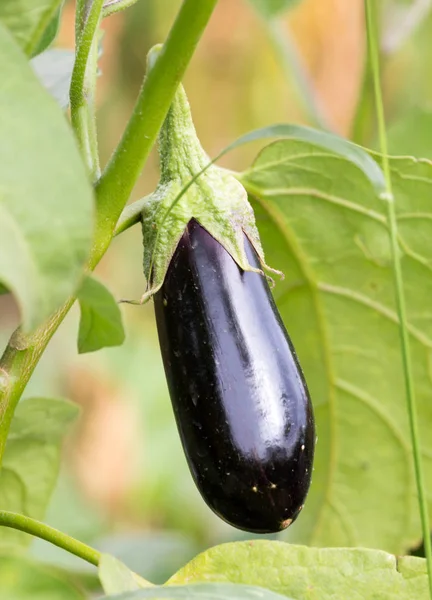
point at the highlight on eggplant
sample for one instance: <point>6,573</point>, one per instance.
<point>239,397</point>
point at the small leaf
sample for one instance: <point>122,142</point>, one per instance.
<point>310,573</point>
<point>32,459</point>
<point>24,579</point>
<point>28,20</point>
<point>111,7</point>
<point>116,578</point>
<point>272,8</point>
<point>46,200</point>
<point>54,70</point>
<point>101,322</point>
<point>204,591</point>
<point>50,32</point>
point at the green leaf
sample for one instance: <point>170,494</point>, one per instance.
<point>50,32</point>
<point>310,573</point>
<point>101,323</point>
<point>46,201</point>
<point>205,591</point>
<point>116,578</point>
<point>323,225</point>
<point>111,7</point>
<point>54,70</point>
<point>272,8</point>
<point>29,20</point>
<point>23,579</point>
<point>31,460</point>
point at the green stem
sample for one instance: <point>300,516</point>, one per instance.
<point>17,364</point>
<point>54,536</point>
<point>130,216</point>
<point>294,69</point>
<point>400,296</point>
<point>83,83</point>
<point>162,80</point>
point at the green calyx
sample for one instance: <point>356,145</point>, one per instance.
<point>215,199</point>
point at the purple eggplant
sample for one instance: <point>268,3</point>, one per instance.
<point>239,397</point>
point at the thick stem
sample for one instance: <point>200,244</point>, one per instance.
<point>54,536</point>
<point>400,295</point>
<point>154,100</point>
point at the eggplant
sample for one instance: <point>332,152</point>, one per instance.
<point>239,397</point>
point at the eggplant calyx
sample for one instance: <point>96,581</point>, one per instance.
<point>216,200</point>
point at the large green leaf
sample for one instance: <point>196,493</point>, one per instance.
<point>310,573</point>
<point>46,204</point>
<point>203,591</point>
<point>29,20</point>
<point>31,460</point>
<point>101,322</point>
<point>22,579</point>
<point>323,225</point>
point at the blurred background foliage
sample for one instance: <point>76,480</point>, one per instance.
<point>125,485</point>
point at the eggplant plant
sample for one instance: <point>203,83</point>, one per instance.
<point>321,245</point>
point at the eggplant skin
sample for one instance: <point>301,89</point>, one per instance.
<point>239,397</point>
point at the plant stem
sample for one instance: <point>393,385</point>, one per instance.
<point>17,364</point>
<point>22,354</point>
<point>83,83</point>
<point>295,70</point>
<point>54,536</point>
<point>400,296</point>
<point>154,100</point>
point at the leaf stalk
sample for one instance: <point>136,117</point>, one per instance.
<point>54,536</point>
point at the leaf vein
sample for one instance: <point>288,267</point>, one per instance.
<point>376,306</point>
